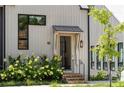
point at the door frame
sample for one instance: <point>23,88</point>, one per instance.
<point>72,37</point>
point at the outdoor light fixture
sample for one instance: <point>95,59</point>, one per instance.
<point>81,44</point>
<point>48,42</point>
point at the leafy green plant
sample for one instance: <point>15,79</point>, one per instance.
<point>120,69</point>
<point>101,75</point>
<point>24,68</point>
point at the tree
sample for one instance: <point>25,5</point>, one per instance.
<point>107,42</point>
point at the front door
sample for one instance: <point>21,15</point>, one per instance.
<point>65,51</point>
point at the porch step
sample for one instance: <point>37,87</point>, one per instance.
<point>73,78</point>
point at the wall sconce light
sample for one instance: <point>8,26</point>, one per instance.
<point>81,44</point>
<point>48,42</point>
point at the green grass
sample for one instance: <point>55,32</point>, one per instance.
<point>114,84</point>
<point>58,84</point>
<point>30,83</point>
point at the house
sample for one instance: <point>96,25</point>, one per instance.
<point>96,64</point>
<point>66,30</point>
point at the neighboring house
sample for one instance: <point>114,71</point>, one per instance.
<point>66,30</point>
<point>96,65</point>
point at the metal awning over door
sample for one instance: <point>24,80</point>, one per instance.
<point>75,29</point>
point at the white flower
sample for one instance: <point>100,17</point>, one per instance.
<point>51,68</point>
<point>46,66</point>
<point>45,73</point>
<point>17,61</point>
<point>47,59</point>
<point>41,68</point>
<point>16,64</point>
<point>35,59</point>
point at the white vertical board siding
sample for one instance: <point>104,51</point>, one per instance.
<point>96,30</point>
<point>69,15</point>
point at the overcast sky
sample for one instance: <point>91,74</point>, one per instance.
<point>117,10</point>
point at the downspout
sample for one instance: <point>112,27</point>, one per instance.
<point>88,28</point>
<point>4,35</point>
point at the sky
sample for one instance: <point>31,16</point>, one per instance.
<point>117,10</point>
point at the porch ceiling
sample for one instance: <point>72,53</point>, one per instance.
<point>67,28</point>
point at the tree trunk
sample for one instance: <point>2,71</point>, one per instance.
<point>110,76</point>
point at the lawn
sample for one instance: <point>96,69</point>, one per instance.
<point>29,83</point>
<point>114,84</point>
<point>58,84</point>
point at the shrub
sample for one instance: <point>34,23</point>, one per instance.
<point>119,72</point>
<point>24,68</point>
<point>101,75</point>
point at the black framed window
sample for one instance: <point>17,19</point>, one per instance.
<point>37,20</point>
<point>105,63</point>
<point>113,64</point>
<point>22,32</point>
<point>98,62</point>
<point>24,21</point>
<point>92,58</point>
<point>120,50</point>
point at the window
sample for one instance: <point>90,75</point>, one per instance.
<point>120,49</point>
<point>105,64</point>
<point>37,20</point>
<point>23,22</point>
<point>92,58</point>
<point>113,64</point>
<point>98,62</point>
<point>22,32</point>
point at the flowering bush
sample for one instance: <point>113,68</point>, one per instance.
<point>38,68</point>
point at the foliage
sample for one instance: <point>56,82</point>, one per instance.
<point>107,41</point>
<point>120,69</point>
<point>101,75</point>
<point>24,68</point>
<point>115,78</point>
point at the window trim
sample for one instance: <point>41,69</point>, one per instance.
<point>27,29</point>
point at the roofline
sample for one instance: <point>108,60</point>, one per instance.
<point>112,14</point>
<point>81,8</point>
